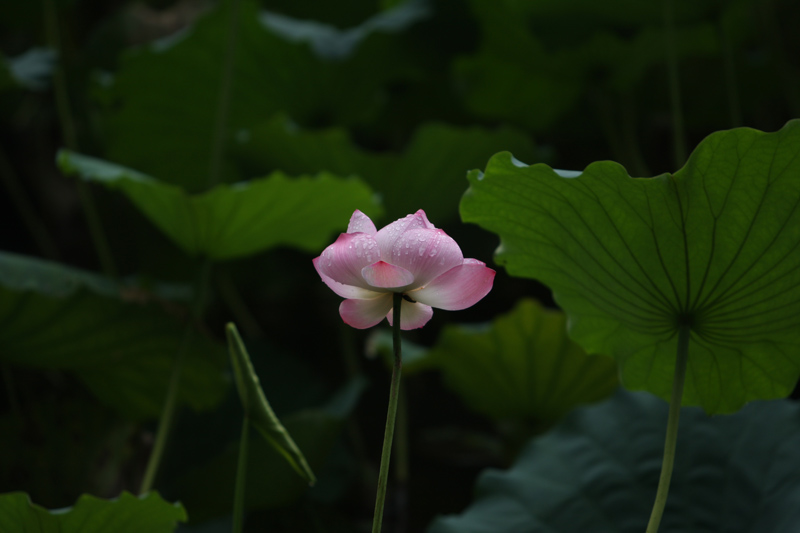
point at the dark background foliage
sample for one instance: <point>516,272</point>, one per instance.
<point>408,110</point>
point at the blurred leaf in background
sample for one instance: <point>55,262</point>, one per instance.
<point>31,69</point>
<point>522,366</point>
<point>519,367</point>
<point>164,97</point>
<point>119,340</point>
<point>231,221</point>
<point>598,470</point>
<point>428,175</point>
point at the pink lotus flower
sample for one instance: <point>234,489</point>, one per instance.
<point>409,256</point>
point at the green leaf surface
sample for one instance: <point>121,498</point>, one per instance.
<point>257,408</point>
<point>119,340</point>
<point>271,480</point>
<point>715,246</point>
<point>126,514</point>
<point>231,221</point>
<point>428,174</point>
<point>522,365</point>
<point>598,471</point>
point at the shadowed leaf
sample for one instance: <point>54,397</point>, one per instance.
<point>522,365</point>
<point>118,339</point>
<point>598,471</point>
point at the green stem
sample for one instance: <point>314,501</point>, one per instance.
<point>168,412</point>
<point>70,137</point>
<point>401,468</point>
<point>394,393</point>
<point>223,103</point>
<point>672,429</point>
<point>241,478</point>
<point>679,136</point>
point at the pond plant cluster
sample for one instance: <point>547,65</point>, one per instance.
<point>580,221</point>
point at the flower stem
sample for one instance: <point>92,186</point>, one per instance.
<point>401,467</point>
<point>167,414</point>
<point>394,393</point>
<point>672,429</point>
<point>241,478</point>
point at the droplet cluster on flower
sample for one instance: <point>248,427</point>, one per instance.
<point>410,256</point>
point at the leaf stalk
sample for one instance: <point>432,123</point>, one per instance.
<point>670,442</point>
<point>168,412</point>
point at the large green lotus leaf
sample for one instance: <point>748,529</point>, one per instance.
<point>715,247</point>
<point>428,175</point>
<point>126,514</point>
<point>257,408</point>
<point>598,471</point>
<point>231,221</point>
<point>119,340</point>
<point>164,98</point>
<point>522,365</point>
<point>271,481</point>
